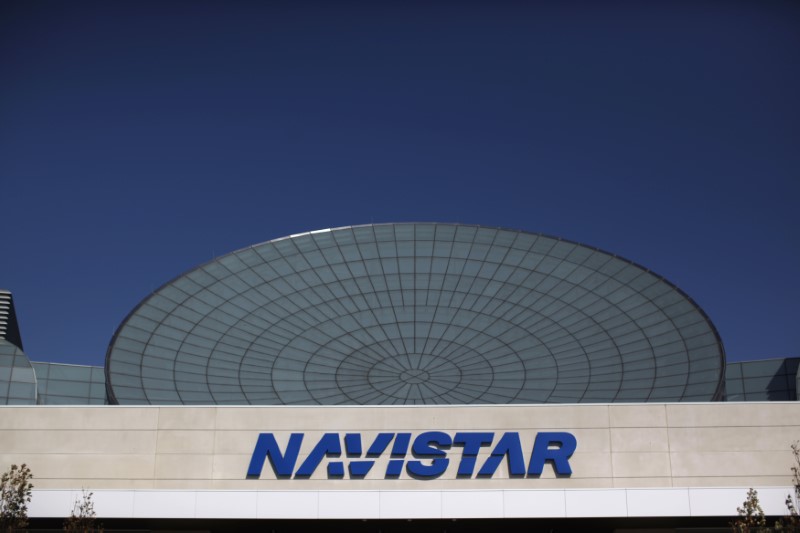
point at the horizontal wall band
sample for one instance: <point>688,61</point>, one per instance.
<point>572,503</point>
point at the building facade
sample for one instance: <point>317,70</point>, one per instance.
<point>406,376</point>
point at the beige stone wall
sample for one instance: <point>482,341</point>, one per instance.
<point>198,448</point>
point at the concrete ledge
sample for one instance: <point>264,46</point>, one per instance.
<point>572,503</point>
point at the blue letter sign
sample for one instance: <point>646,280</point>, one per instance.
<point>428,450</point>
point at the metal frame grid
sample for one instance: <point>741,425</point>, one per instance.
<point>61,384</point>
<point>17,378</point>
<point>773,380</point>
<point>415,314</point>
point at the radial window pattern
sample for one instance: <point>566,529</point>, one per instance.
<point>415,314</point>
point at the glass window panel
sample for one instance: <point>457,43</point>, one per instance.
<point>769,367</point>
<point>344,236</point>
<point>172,293</point>
<point>22,374</point>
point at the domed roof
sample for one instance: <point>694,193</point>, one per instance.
<point>415,314</point>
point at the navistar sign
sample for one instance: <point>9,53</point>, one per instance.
<point>429,450</point>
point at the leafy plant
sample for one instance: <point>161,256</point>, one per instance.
<point>15,494</point>
<point>751,515</point>
<point>83,518</point>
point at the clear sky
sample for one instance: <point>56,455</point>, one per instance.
<point>139,139</point>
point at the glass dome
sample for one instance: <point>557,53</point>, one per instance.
<point>416,313</point>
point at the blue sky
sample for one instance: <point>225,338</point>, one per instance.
<point>140,139</point>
